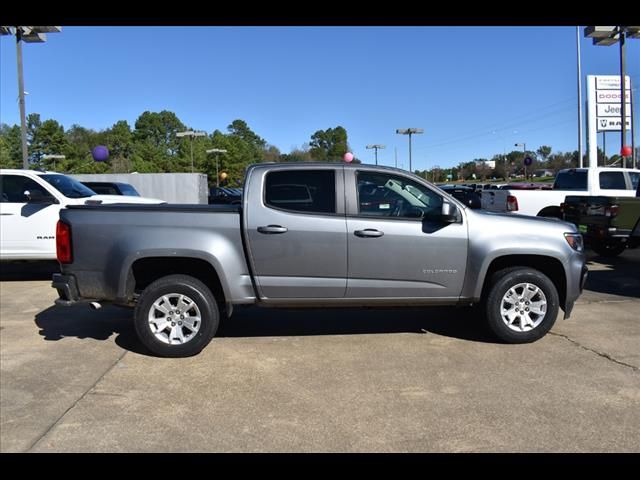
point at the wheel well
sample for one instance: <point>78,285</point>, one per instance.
<point>550,212</point>
<point>551,267</point>
<point>147,270</point>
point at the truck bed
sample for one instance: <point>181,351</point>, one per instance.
<point>115,237</point>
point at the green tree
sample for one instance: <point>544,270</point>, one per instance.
<point>159,130</point>
<point>329,145</point>
<point>543,153</point>
<point>119,140</point>
<point>10,146</point>
<point>48,139</point>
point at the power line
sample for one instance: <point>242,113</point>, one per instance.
<point>483,131</point>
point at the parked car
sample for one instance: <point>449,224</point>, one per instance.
<point>465,194</point>
<point>112,188</point>
<point>225,196</point>
<point>30,202</point>
<point>305,238</point>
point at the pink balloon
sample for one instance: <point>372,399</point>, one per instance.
<point>348,157</point>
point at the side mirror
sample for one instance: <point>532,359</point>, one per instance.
<point>36,196</point>
<point>450,212</point>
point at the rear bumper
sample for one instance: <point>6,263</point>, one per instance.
<point>67,288</point>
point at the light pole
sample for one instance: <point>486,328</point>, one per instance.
<point>191,133</point>
<point>579,97</point>
<point>217,150</point>
<point>53,157</point>
<point>375,147</point>
<point>29,35</point>
<point>524,155</point>
<point>606,36</point>
<point>409,131</point>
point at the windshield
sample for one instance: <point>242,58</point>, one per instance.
<point>68,186</point>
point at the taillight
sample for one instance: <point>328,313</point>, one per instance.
<point>63,242</point>
<point>611,211</point>
<point>512,203</point>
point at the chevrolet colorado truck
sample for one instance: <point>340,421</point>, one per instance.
<point>316,235</point>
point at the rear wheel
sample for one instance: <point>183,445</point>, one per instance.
<point>522,305</point>
<point>608,248</point>
<point>176,316</point>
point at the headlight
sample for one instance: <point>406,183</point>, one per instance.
<point>575,241</point>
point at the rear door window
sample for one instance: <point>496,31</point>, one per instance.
<point>612,181</point>
<point>571,180</point>
<point>12,188</point>
<point>306,191</point>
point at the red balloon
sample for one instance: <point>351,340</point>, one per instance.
<point>625,151</point>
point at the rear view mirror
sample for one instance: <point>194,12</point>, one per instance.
<point>449,212</point>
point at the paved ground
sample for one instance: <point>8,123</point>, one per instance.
<point>75,380</point>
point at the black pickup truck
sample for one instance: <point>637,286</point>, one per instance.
<point>609,224</point>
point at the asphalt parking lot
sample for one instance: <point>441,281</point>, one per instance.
<point>386,380</point>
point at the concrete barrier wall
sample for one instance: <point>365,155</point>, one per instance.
<point>170,187</point>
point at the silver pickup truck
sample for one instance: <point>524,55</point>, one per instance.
<point>317,235</point>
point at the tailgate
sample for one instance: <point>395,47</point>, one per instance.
<point>585,212</point>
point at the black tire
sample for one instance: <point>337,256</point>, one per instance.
<point>172,286</point>
<point>501,283</point>
<point>610,248</point>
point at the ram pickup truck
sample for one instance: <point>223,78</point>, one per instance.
<point>29,204</point>
<point>609,224</point>
<point>618,182</point>
<point>316,235</point>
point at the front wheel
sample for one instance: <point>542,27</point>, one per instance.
<point>176,316</point>
<point>522,305</point>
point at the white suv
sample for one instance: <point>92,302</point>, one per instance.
<point>30,202</point>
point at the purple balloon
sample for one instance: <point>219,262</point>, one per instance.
<point>100,153</point>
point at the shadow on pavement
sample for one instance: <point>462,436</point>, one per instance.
<point>463,323</point>
<point>80,321</point>
<point>616,276</point>
<point>28,271</point>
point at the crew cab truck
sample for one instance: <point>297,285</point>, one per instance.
<point>600,181</point>
<point>316,235</point>
<point>609,224</point>
<point>29,204</point>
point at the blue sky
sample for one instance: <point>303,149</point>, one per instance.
<point>474,90</point>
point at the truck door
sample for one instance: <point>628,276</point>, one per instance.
<point>296,230</point>
<point>399,247</point>
<point>27,230</point>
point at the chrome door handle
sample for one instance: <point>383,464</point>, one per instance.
<point>271,229</point>
<point>368,233</point>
